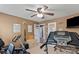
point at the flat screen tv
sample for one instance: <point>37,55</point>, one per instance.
<point>73,22</point>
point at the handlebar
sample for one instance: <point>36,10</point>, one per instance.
<point>16,38</point>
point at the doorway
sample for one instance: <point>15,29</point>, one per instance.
<point>39,33</point>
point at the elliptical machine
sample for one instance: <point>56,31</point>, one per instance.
<point>10,49</point>
<point>24,46</point>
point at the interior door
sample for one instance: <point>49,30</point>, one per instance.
<point>37,33</point>
<point>42,33</point>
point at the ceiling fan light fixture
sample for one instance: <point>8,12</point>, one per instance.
<point>42,10</point>
<point>39,15</point>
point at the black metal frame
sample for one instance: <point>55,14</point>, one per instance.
<point>73,35</point>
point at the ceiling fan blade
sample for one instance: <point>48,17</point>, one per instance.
<point>46,13</point>
<point>33,15</point>
<point>45,7</point>
<point>30,10</point>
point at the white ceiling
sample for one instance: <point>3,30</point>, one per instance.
<point>60,10</point>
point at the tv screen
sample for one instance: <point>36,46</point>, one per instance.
<point>73,22</point>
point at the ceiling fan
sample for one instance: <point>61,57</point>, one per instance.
<point>40,12</point>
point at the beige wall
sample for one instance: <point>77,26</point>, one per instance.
<point>61,23</point>
<point>6,23</point>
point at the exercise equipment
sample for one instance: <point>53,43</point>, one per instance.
<point>68,38</point>
<point>50,41</point>
<point>62,37</point>
<point>1,43</point>
<point>75,39</point>
<point>10,49</point>
<point>24,46</point>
